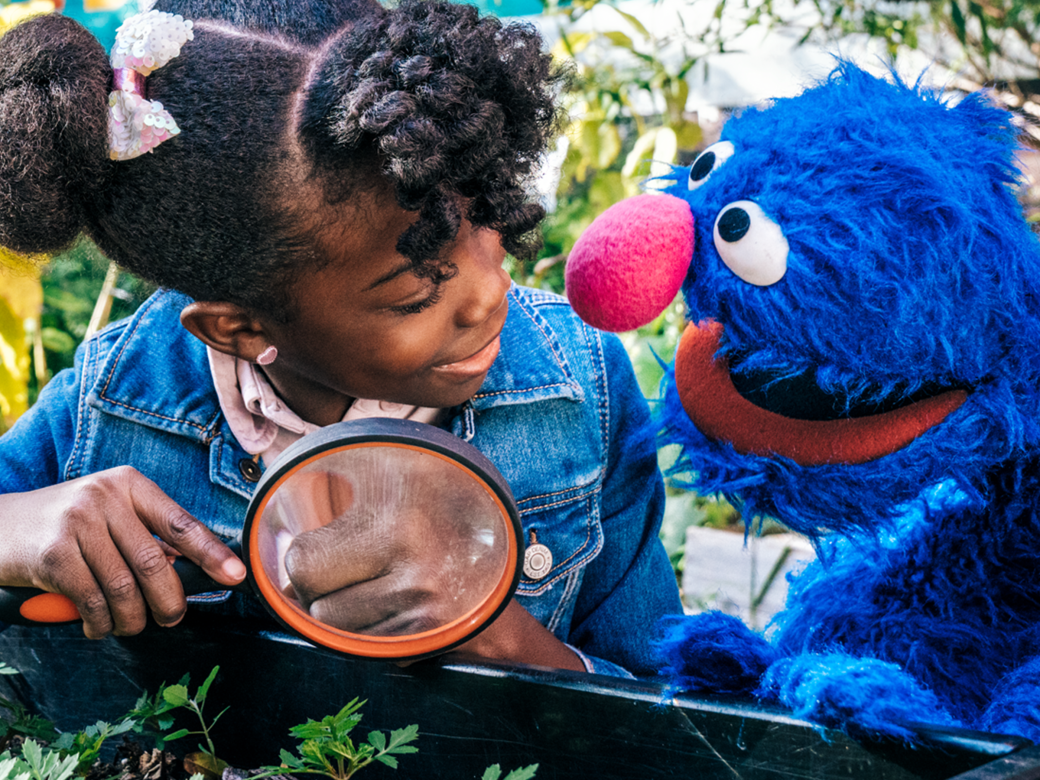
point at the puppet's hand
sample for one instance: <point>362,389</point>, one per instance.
<point>93,539</point>
<point>860,696</point>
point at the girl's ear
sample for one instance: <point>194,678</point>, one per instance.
<point>227,328</point>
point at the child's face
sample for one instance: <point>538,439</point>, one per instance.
<point>366,327</point>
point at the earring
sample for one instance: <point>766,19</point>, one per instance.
<point>268,356</point>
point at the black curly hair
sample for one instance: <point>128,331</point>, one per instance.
<point>285,107</point>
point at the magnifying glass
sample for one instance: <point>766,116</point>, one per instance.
<point>380,538</point>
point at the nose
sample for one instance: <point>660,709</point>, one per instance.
<point>630,262</point>
<point>484,281</point>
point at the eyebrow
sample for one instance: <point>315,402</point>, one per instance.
<point>404,268</point>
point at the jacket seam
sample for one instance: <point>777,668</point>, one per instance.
<point>108,381</point>
<point>81,410</point>
<point>595,347</point>
<point>522,390</point>
<point>568,500</point>
<point>552,347</point>
<point>565,601</point>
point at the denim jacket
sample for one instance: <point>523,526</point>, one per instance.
<point>559,414</point>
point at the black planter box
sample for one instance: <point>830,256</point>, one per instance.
<point>575,726</point>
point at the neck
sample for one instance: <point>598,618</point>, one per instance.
<point>314,403</point>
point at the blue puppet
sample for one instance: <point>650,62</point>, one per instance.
<point>862,362</point>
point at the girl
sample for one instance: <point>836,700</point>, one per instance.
<point>325,196</point>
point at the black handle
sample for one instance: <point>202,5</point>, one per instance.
<point>34,607</point>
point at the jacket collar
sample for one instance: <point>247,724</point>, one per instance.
<point>157,374</point>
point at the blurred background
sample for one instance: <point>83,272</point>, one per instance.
<point>654,82</point>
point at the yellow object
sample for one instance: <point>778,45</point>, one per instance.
<point>21,298</point>
<point>15,13</point>
<point>97,6</point>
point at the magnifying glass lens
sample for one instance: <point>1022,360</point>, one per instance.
<point>384,540</point>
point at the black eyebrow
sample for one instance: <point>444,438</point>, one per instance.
<point>401,269</point>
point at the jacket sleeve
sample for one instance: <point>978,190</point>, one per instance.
<point>630,585</point>
<point>34,452</point>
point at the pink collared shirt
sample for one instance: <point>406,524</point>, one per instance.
<point>264,425</point>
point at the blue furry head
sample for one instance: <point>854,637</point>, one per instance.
<point>909,273</point>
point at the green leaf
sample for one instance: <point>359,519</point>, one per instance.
<point>177,735</point>
<point>377,740</point>
<point>177,695</point>
<point>959,24</point>
<point>619,39</point>
<point>390,761</point>
<point>493,772</point>
<point>200,697</point>
<point>290,760</point>
<point>399,737</point>
<point>524,773</point>
<point>632,20</point>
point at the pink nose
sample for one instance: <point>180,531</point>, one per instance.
<point>629,264</point>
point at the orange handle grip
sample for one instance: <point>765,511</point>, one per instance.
<point>31,606</point>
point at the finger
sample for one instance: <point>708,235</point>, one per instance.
<point>171,523</point>
<point>122,594</point>
<point>350,550</point>
<point>379,608</point>
<point>77,582</point>
<point>145,561</point>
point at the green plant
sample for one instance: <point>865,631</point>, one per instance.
<point>20,722</point>
<point>494,772</point>
<point>327,749</point>
<point>177,697</point>
<point>85,745</point>
<point>36,763</point>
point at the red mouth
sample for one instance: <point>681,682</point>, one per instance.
<point>721,413</point>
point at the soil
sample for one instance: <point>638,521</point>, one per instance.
<point>134,762</point>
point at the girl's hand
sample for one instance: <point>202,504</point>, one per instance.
<point>392,548</point>
<point>91,539</point>
<point>517,636</point>
<point>367,574</point>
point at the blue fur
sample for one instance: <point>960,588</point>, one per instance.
<point>713,651</point>
<point>909,263</point>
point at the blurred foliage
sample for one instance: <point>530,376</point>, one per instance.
<point>994,43</point>
<point>13,13</point>
<point>45,308</point>
<point>72,283</point>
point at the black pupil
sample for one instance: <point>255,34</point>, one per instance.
<point>702,166</point>
<point>733,225</point>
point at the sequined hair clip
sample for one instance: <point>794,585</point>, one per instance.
<point>144,43</point>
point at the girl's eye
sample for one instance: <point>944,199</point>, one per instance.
<point>418,306</point>
<point>751,244</point>
<point>708,162</point>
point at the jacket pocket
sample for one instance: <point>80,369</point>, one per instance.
<point>567,523</point>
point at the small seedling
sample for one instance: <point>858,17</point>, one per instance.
<point>86,745</point>
<point>328,750</point>
<point>177,696</point>
<point>20,721</point>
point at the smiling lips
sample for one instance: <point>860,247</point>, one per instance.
<point>719,411</point>
<point>475,365</point>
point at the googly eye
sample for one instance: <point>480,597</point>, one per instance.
<point>708,162</point>
<point>751,244</point>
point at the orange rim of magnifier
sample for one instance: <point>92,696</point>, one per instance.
<point>407,646</point>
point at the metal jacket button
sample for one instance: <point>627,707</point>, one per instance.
<point>538,559</point>
<point>250,469</point>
